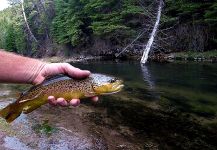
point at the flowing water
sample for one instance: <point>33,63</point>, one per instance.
<point>162,106</point>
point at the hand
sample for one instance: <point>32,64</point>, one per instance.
<point>64,68</point>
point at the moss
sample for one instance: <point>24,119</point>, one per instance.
<point>44,128</point>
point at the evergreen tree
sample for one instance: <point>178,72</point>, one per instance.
<point>10,39</point>
<point>76,20</point>
<point>68,21</point>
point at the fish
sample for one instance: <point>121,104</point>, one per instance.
<point>61,86</point>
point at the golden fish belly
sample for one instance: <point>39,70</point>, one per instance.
<point>69,95</point>
<point>30,105</point>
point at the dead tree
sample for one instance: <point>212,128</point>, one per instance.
<point>26,22</point>
<point>152,35</point>
<point>150,27</point>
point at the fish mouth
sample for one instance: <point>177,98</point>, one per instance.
<point>116,87</point>
<point>109,88</point>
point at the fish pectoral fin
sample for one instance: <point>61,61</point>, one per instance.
<point>34,104</point>
<point>30,99</point>
<point>30,108</point>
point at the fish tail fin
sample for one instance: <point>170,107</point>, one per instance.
<point>10,112</point>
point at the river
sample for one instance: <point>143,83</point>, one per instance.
<point>162,106</point>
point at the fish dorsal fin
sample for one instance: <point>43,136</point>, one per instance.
<point>25,100</point>
<point>53,77</point>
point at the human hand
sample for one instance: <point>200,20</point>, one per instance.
<point>62,68</point>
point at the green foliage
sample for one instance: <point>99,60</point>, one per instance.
<point>10,39</point>
<point>12,36</point>
<point>68,21</point>
<point>189,10</point>
<point>4,23</point>
<point>192,54</point>
<point>14,33</point>
<point>76,20</point>
<point>38,18</point>
<point>44,128</point>
<point>211,15</point>
<point>194,12</point>
<point>20,42</point>
<point>110,16</point>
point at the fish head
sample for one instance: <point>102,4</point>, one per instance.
<point>105,84</point>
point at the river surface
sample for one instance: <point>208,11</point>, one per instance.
<point>162,106</point>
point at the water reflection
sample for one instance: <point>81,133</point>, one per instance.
<point>147,77</point>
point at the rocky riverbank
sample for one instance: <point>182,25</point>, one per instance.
<point>209,56</point>
<point>77,58</point>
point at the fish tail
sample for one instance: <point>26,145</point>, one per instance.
<point>11,112</point>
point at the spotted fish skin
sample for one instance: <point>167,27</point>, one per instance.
<point>61,86</point>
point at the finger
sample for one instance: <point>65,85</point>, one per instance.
<point>66,68</point>
<point>62,102</point>
<point>76,72</point>
<point>95,99</point>
<point>74,102</point>
<point>52,100</point>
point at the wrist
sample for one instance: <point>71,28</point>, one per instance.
<point>18,69</point>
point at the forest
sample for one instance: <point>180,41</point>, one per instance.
<point>97,27</point>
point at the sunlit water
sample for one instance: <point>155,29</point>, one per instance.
<point>162,106</point>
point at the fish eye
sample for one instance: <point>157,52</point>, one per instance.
<point>112,80</point>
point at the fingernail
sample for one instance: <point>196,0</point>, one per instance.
<point>87,71</point>
<point>50,97</point>
<point>60,100</point>
<point>74,102</point>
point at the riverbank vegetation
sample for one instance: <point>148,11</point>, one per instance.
<point>197,56</point>
<point>66,27</point>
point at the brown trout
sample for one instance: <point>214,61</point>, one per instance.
<point>61,86</point>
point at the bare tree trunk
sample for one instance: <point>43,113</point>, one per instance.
<point>153,34</point>
<point>26,22</point>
